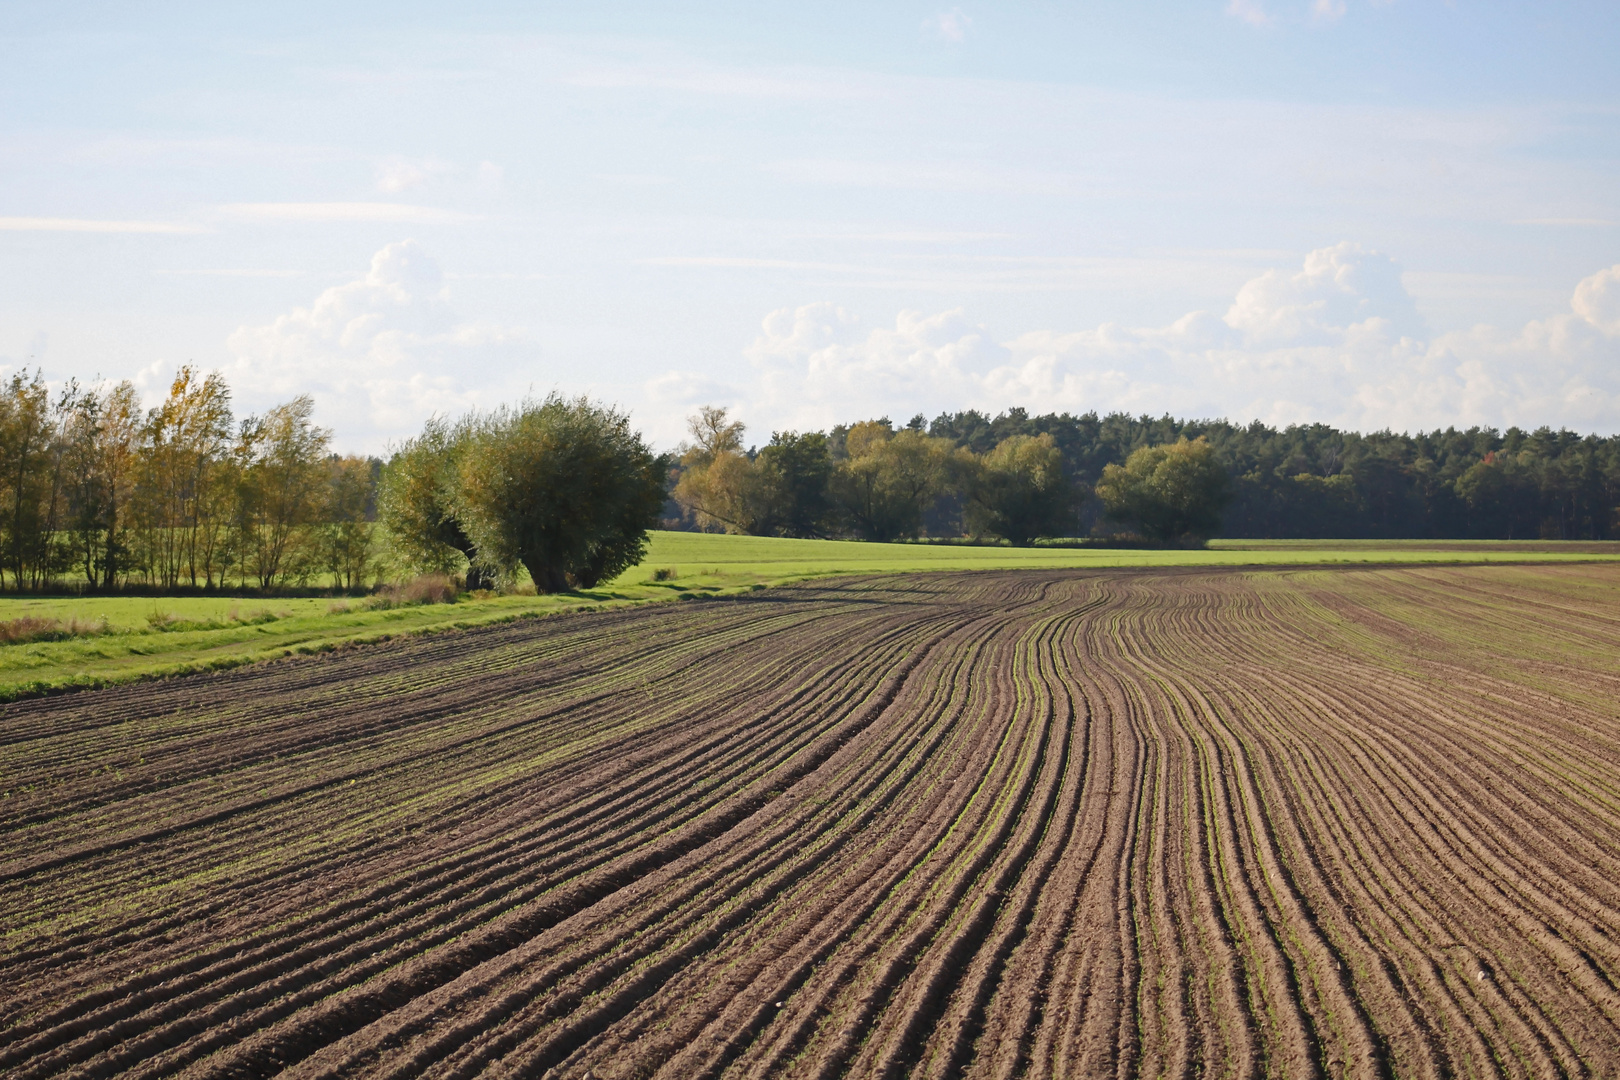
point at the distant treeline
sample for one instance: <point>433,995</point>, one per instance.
<point>1315,481</point>
<point>1296,482</point>
<point>97,490</point>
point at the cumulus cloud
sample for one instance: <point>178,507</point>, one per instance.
<point>815,363</point>
<point>1339,287</point>
<point>1338,340</point>
<point>379,353</point>
<point>1597,300</point>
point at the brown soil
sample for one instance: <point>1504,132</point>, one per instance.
<point>1356,822</point>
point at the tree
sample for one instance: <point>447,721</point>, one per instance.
<point>1018,491</point>
<point>720,485</point>
<point>563,488</point>
<point>889,479</point>
<point>283,484</point>
<point>796,470</point>
<point>100,434</point>
<point>185,442</point>
<point>1172,492</point>
<point>417,502</point>
<point>713,434</point>
<point>347,535</point>
<point>27,478</point>
<point>780,491</point>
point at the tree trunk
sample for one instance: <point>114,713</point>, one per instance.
<point>547,578</point>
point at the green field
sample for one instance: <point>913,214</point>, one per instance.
<point>205,633</point>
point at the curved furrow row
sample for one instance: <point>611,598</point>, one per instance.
<point>643,792</point>
<point>1338,822</point>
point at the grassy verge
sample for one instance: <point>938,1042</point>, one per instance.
<point>147,637</point>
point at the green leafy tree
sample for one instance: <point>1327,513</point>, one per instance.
<point>796,471</point>
<point>185,443</point>
<point>719,485</point>
<point>1172,492</point>
<point>1018,491</point>
<point>564,488</point>
<point>284,486</point>
<point>28,478</point>
<point>889,479</point>
<point>101,430</point>
<point>417,503</point>
<point>347,540</point>
<point>783,490</point>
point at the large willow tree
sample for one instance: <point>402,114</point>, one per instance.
<point>563,488</point>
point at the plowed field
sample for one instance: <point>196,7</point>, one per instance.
<point>1204,823</point>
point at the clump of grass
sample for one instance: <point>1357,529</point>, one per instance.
<point>426,589</point>
<point>28,629</point>
<point>338,607</point>
<point>664,573</point>
<point>166,622</point>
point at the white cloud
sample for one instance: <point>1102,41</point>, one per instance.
<point>1338,288</point>
<point>1337,341</point>
<point>690,388</point>
<point>657,70</point>
<point>1250,11</point>
<point>1597,300</point>
<point>952,25</point>
<point>1328,10</point>
<point>92,225</point>
<point>379,353</point>
<point>248,272</point>
<point>730,262</point>
<point>928,176</point>
<point>814,366</point>
<point>397,174</point>
<point>393,213</point>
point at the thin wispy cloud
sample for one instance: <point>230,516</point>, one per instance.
<point>694,77</point>
<point>952,25</point>
<point>395,213</point>
<point>730,262</point>
<point>397,174</point>
<point>1252,12</point>
<point>927,176</point>
<point>245,272</point>
<point>956,272</point>
<point>93,225</point>
<point>1576,221</point>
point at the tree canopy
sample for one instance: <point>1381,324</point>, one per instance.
<point>563,488</point>
<point>1172,492</point>
<point>1020,492</point>
<point>418,501</point>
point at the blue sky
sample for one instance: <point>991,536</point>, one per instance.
<point>1404,214</point>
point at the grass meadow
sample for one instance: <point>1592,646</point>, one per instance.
<point>126,638</point>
